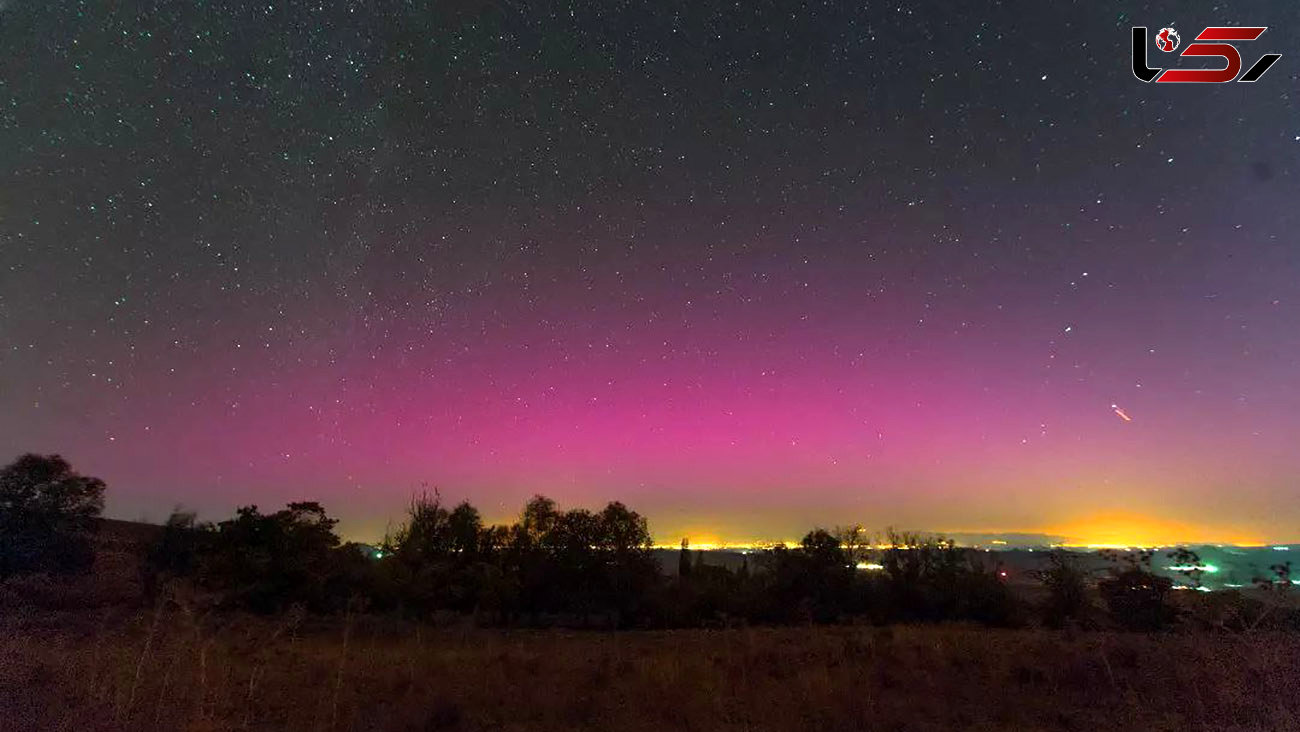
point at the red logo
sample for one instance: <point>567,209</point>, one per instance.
<point>1167,40</point>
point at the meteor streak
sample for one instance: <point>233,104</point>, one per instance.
<point>1122,414</point>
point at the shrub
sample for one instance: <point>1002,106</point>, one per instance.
<point>177,552</point>
<point>265,563</point>
<point>1067,591</point>
<point>1136,597</point>
<point>47,516</point>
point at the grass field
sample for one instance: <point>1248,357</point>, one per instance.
<point>171,671</point>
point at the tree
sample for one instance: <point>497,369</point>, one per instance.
<point>855,542</point>
<point>574,563</point>
<point>266,563</point>
<point>433,559</point>
<point>1067,591</point>
<point>684,560</point>
<point>628,568</point>
<point>177,552</point>
<point>827,574</point>
<point>47,516</point>
<point>808,583</point>
<point>1134,594</point>
<point>931,578</point>
<point>823,549</point>
<point>425,536</point>
<point>921,573</point>
<point>464,530</point>
<point>539,517</point>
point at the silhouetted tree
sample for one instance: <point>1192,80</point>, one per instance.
<point>178,551</point>
<point>855,543</point>
<point>47,516</point>
<point>921,573</point>
<point>810,583</point>
<point>539,517</point>
<point>465,531</point>
<point>931,578</point>
<point>578,563</point>
<point>828,573</point>
<point>1135,596</point>
<point>551,566</point>
<point>267,562</point>
<point>983,596</point>
<point>630,572</point>
<point>712,596</point>
<point>1067,590</point>
<point>435,559</point>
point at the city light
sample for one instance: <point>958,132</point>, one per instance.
<point>1208,568</point>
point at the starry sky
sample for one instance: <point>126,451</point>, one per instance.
<point>748,267</point>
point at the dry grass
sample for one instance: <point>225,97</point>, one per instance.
<point>172,671</point>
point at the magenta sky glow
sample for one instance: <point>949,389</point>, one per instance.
<point>745,298</point>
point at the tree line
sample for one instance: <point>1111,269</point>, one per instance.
<point>554,566</point>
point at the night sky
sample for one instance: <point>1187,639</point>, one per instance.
<point>749,268</point>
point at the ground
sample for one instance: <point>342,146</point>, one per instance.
<point>114,669</point>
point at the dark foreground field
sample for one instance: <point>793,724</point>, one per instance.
<point>110,670</point>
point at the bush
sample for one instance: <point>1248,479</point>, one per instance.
<point>809,583</point>
<point>932,579</point>
<point>177,553</point>
<point>1067,591</point>
<point>47,516</point>
<point>265,563</point>
<point>1136,597</point>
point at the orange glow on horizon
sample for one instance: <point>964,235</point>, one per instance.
<point>1110,530</point>
<point>1116,530</point>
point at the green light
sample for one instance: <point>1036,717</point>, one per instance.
<point>1207,568</point>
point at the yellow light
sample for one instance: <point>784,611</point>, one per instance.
<point>1122,530</point>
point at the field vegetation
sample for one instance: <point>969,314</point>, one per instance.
<point>178,671</point>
